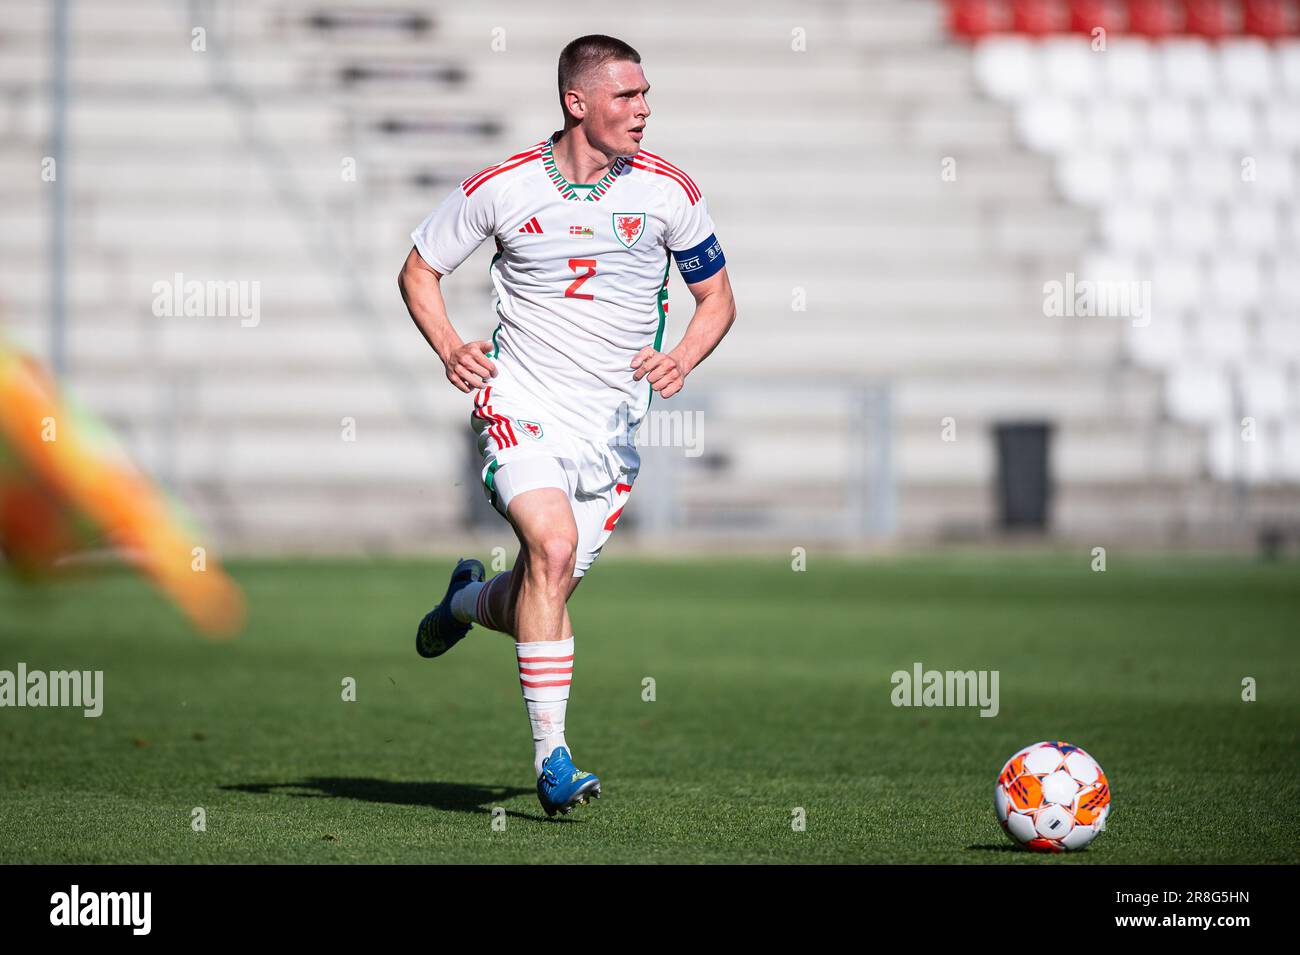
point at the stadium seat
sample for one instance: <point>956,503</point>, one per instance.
<point>1113,124</point>
<point>1160,344</point>
<point>1170,124</point>
<point>1288,63</point>
<point>1193,227</point>
<point>1235,281</point>
<point>1247,68</point>
<point>1177,282</point>
<point>1188,68</point>
<point>1131,68</point>
<point>1199,392</point>
<point>1088,178</point>
<point>1129,228</point>
<point>1230,125</point>
<point>1070,67</point>
<point>1152,176</point>
<point>1007,68</point>
<point>1253,227</point>
<point>1050,125</point>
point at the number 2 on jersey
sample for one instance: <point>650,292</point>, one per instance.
<point>572,290</point>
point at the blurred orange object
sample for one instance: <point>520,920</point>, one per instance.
<point>64,484</point>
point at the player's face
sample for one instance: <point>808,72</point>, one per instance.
<point>617,108</point>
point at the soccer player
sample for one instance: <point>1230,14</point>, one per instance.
<point>586,224</point>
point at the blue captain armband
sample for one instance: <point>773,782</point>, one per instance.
<point>698,263</point>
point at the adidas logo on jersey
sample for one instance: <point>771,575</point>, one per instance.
<point>532,227</point>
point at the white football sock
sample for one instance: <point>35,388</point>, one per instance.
<point>545,672</point>
<point>465,601</point>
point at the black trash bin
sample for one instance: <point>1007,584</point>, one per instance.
<point>1024,482</point>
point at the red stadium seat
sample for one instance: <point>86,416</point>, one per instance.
<point>1208,18</point>
<point>1155,18</point>
<point>972,19</point>
<point>1267,18</point>
<point>1088,15</point>
<point>1039,17</point>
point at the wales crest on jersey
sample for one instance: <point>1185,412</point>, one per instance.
<point>628,227</point>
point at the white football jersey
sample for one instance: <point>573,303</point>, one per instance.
<point>580,277</point>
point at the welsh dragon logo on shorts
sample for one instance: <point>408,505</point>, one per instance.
<point>628,227</point>
<point>530,428</point>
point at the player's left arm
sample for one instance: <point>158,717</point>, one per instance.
<point>715,311</point>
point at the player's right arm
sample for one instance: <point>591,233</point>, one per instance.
<point>444,240</point>
<point>466,363</point>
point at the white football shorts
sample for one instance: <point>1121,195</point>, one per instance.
<point>524,450</point>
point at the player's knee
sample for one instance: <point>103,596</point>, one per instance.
<point>554,555</point>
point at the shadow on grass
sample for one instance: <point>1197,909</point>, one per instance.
<point>996,847</point>
<point>449,797</point>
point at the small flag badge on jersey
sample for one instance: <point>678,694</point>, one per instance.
<point>582,232</point>
<point>628,227</point>
<point>531,428</point>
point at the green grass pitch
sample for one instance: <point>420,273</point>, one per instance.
<point>772,692</point>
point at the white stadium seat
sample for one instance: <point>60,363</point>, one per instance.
<point>1176,282</point>
<point>1170,123</point>
<point>1235,281</point>
<point>1152,176</point>
<point>1213,175</point>
<point>1199,392</point>
<point>1071,68</point>
<point>1253,226</point>
<point>1264,391</point>
<point>1130,228</point>
<point>1049,125</point>
<point>1007,68</point>
<point>1274,174</point>
<point>1087,178</point>
<point>1190,154</point>
<point>1113,124</point>
<point>1111,266</point>
<point>1282,122</point>
<point>1231,124</point>
<point>1188,68</point>
<point>1282,291</point>
<point>1246,66</point>
<point>1222,337</point>
<point>1130,68</point>
<point>1279,338</point>
<point>1193,227</point>
<point>1287,59</point>
<point>1160,343</point>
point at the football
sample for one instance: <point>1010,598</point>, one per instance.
<point>1052,797</point>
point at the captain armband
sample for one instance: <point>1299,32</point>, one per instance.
<point>699,263</point>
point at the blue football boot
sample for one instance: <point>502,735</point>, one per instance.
<point>439,631</point>
<point>562,785</point>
